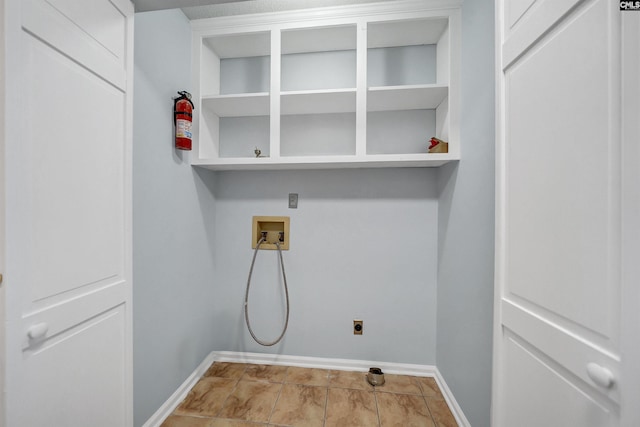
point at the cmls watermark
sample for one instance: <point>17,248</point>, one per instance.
<point>629,5</point>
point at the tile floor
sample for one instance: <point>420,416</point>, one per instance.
<point>246,395</point>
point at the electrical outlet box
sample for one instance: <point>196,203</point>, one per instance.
<point>358,326</point>
<point>293,200</point>
<point>275,227</point>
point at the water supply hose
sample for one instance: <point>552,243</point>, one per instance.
<point>246,297</point>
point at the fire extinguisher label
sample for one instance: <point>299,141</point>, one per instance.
<point>183,128</point>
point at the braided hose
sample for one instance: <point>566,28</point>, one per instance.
<point>246,297</point>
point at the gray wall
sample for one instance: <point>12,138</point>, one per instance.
<point>466,226</point>
<point>173,218</point>
<point>363,246</point>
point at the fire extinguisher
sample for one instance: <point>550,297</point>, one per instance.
<point>182,113</point>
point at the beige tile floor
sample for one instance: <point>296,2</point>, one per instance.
<point>246,395</point>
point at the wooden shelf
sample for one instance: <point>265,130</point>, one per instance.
<point>413,97</point>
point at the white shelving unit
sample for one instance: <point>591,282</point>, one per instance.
<point>351,86</point>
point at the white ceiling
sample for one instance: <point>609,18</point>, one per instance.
<point>198,9</point>
<point>148,5</point>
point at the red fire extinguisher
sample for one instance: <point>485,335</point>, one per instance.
<point>183,115</point>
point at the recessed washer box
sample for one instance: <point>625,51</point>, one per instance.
<point>273,226</point>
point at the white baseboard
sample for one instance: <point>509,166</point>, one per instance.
<point>325,363</point>
<point>178,396</point>
<point>306,362</point>
<point>456,410</point>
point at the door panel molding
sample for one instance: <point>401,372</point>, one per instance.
<point>563,174</point>
<point>97,353</point>
<point>515,11</point>
<point>569,350</point>
<point>44,21</point>
<point>566,401</point>
<point>69,313</point>
<point>72,174</point>
<point>536,22</point>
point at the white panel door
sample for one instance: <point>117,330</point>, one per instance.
<point>67,278</point>
<point>567,201</point>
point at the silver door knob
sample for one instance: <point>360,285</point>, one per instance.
<point>600,375</point>
<point>37,331</point>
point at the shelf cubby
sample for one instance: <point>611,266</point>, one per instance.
<point>235,64</point>
<point>318,91</point>
<point>234,94</point>
<point>400,131</point>
<point>407,85</point>
<point>407,45</point>
<point>318,58</point>
<point>327,134</point>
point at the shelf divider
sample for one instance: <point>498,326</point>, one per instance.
<point>274,124</point>
<point>361,95</point>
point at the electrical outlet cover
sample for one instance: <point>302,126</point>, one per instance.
<point>293,200</point>
<point>358,327</point>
